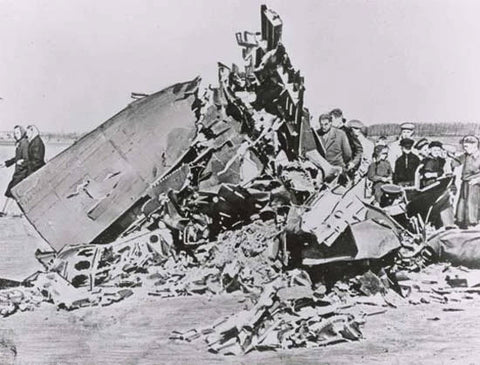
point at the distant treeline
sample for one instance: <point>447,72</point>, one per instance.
<point>427,129</point>
<point>69,136</point>
<point>47,136</point>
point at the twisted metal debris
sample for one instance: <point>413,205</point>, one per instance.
<point>230,199</point>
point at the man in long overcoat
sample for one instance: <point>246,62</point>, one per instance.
<point>334,143</point>
<point>36,149</point>
<point>468,208</point>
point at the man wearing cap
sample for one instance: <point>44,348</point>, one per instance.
<point>338,121</point>
<point>421,147</point>
<point>395,149</point>
<point>360,131</point>
<point>381,141</point>
<point>379,171</point>
<point>433,166</point>
<point>406,165</point>
<point>332,143</point>
<point>468,208</point>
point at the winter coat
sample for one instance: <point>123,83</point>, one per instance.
<point>36,154</point>
<point>21,169</point>
<point>405,168</point>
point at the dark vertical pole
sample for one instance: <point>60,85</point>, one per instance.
<point>264,20</point>
<point>299,115</point>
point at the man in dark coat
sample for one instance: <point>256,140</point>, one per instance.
<point>432,167</point>
<point>20,160</point>
<point>36,150</point>
<point>406,165</point>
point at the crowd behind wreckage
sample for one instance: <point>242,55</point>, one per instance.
<point>404,167</point>
<point>305,213</point>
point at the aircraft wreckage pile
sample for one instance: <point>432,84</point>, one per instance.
<point>191,192</point>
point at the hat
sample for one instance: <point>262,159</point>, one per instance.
<point>410,126</point>
<point>470,139</point>
<point>325,116</point>
<point>378,149</point>
<point>355,124</point>
<point>407,143</point>
<point>421,143</point>
<point>435,144</point>
<point>336,112</point>
<point>382,140</point>
<point>391,189</point>
<point>21,129</point>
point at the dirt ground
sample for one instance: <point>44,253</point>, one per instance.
<point>136,331</point>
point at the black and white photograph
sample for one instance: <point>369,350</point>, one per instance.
<point>239,182</point>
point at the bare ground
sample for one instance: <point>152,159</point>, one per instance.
<point>136,331</point>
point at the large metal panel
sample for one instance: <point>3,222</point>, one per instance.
<point>82,191</point>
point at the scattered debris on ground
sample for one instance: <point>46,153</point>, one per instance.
<point>243,260</point>
<point>287,314</point>
<point>237,200</point>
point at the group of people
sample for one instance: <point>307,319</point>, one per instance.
<point>343,145</point>
<point>418,164</point>
<point>29,157</point>
<point>405,162</point>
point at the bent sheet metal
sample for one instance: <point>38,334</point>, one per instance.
<point>81,192</point>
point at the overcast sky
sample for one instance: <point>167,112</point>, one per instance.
<point>70,65</point>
